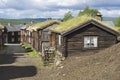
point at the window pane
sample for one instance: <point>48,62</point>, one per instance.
<point>86,42</point>
<point>59,41</point>
<point>95,41</point>
<point>90,41</point>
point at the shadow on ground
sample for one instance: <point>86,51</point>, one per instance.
<point>12,72</point>
<point>9,58</point>
<point>9,71</point>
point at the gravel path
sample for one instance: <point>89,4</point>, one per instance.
<point>15,64</point>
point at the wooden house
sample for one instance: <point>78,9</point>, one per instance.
<point>82,34</point>
<point>23,32</point>
<point>1,36</point>
<point>40,34</point>
<point>12,33</point>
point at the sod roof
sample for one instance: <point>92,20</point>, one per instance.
<point>72,23</point>
<point>1,26</point>
<point>42,25</point>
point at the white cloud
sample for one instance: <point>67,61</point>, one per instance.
<point>54,8</point>
<point>12,13</point>
<point>110,13</point>
<point>68,3</point>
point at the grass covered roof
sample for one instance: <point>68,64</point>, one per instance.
<point>1,26</point>
<point>42,25</point>
<point>70,24</point>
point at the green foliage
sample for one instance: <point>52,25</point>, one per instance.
<point>27,47</point>
<point>1,26</point>
<point>29,50</point>
<point>33,53</point>
<point>64,26</point>
<point>117,22</point>
<point>67,16</point>
<point>89,12</point>
<point>42,24</point>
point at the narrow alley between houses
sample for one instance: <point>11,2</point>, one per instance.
<point>15,64</point>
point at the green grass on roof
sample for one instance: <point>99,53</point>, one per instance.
<point>70,24</point>
<point>1,26</point>
<point>117,28</point>
<point>42,24</point>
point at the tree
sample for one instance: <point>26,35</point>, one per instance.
<point>117,22</point>
<point>68,16</point>
<point>89,12</point>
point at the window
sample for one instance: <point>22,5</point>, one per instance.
<point>12,39</point>
<point>45,36</point>
<point>12,33</point>
<point>59,39</point>
<point>90,41</point>
<point>18,33</point>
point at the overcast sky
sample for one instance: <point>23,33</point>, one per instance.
<point>55,8</point>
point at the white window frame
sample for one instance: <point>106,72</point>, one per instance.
<point>90,41</point>
<point>59,39</point>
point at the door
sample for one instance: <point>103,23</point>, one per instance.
<point>45,46</point>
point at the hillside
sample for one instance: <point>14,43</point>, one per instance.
<point>28,20</point>
<point>104,65</point>
<point>17,21</point>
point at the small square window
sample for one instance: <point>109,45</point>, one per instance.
<point>12,33</point>
<point>90,41</point>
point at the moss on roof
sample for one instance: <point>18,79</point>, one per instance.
<point>70,24</point>
<point>42,24</point>
<point>1,26</point>
<point>64,26</point>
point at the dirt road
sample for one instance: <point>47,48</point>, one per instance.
<point>14,63</point>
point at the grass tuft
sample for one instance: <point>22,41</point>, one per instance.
<point>33,53</point>
<point>30,51</point>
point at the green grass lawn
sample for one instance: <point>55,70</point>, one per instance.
<point>30,51</point>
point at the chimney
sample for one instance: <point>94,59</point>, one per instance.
<point>99,16</point>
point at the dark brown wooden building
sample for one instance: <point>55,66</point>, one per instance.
<point>23,33</point>
<point>78,35</point>
<point>1,38</point>
<point>39,34</point>
<point>1,35</point>
<point>12,34</point>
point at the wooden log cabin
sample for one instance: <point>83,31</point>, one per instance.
<point>1,36</point>
<point>23,33</point>
<point>40,34</point>
<point>12,33</point>
<point>82,34</point>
